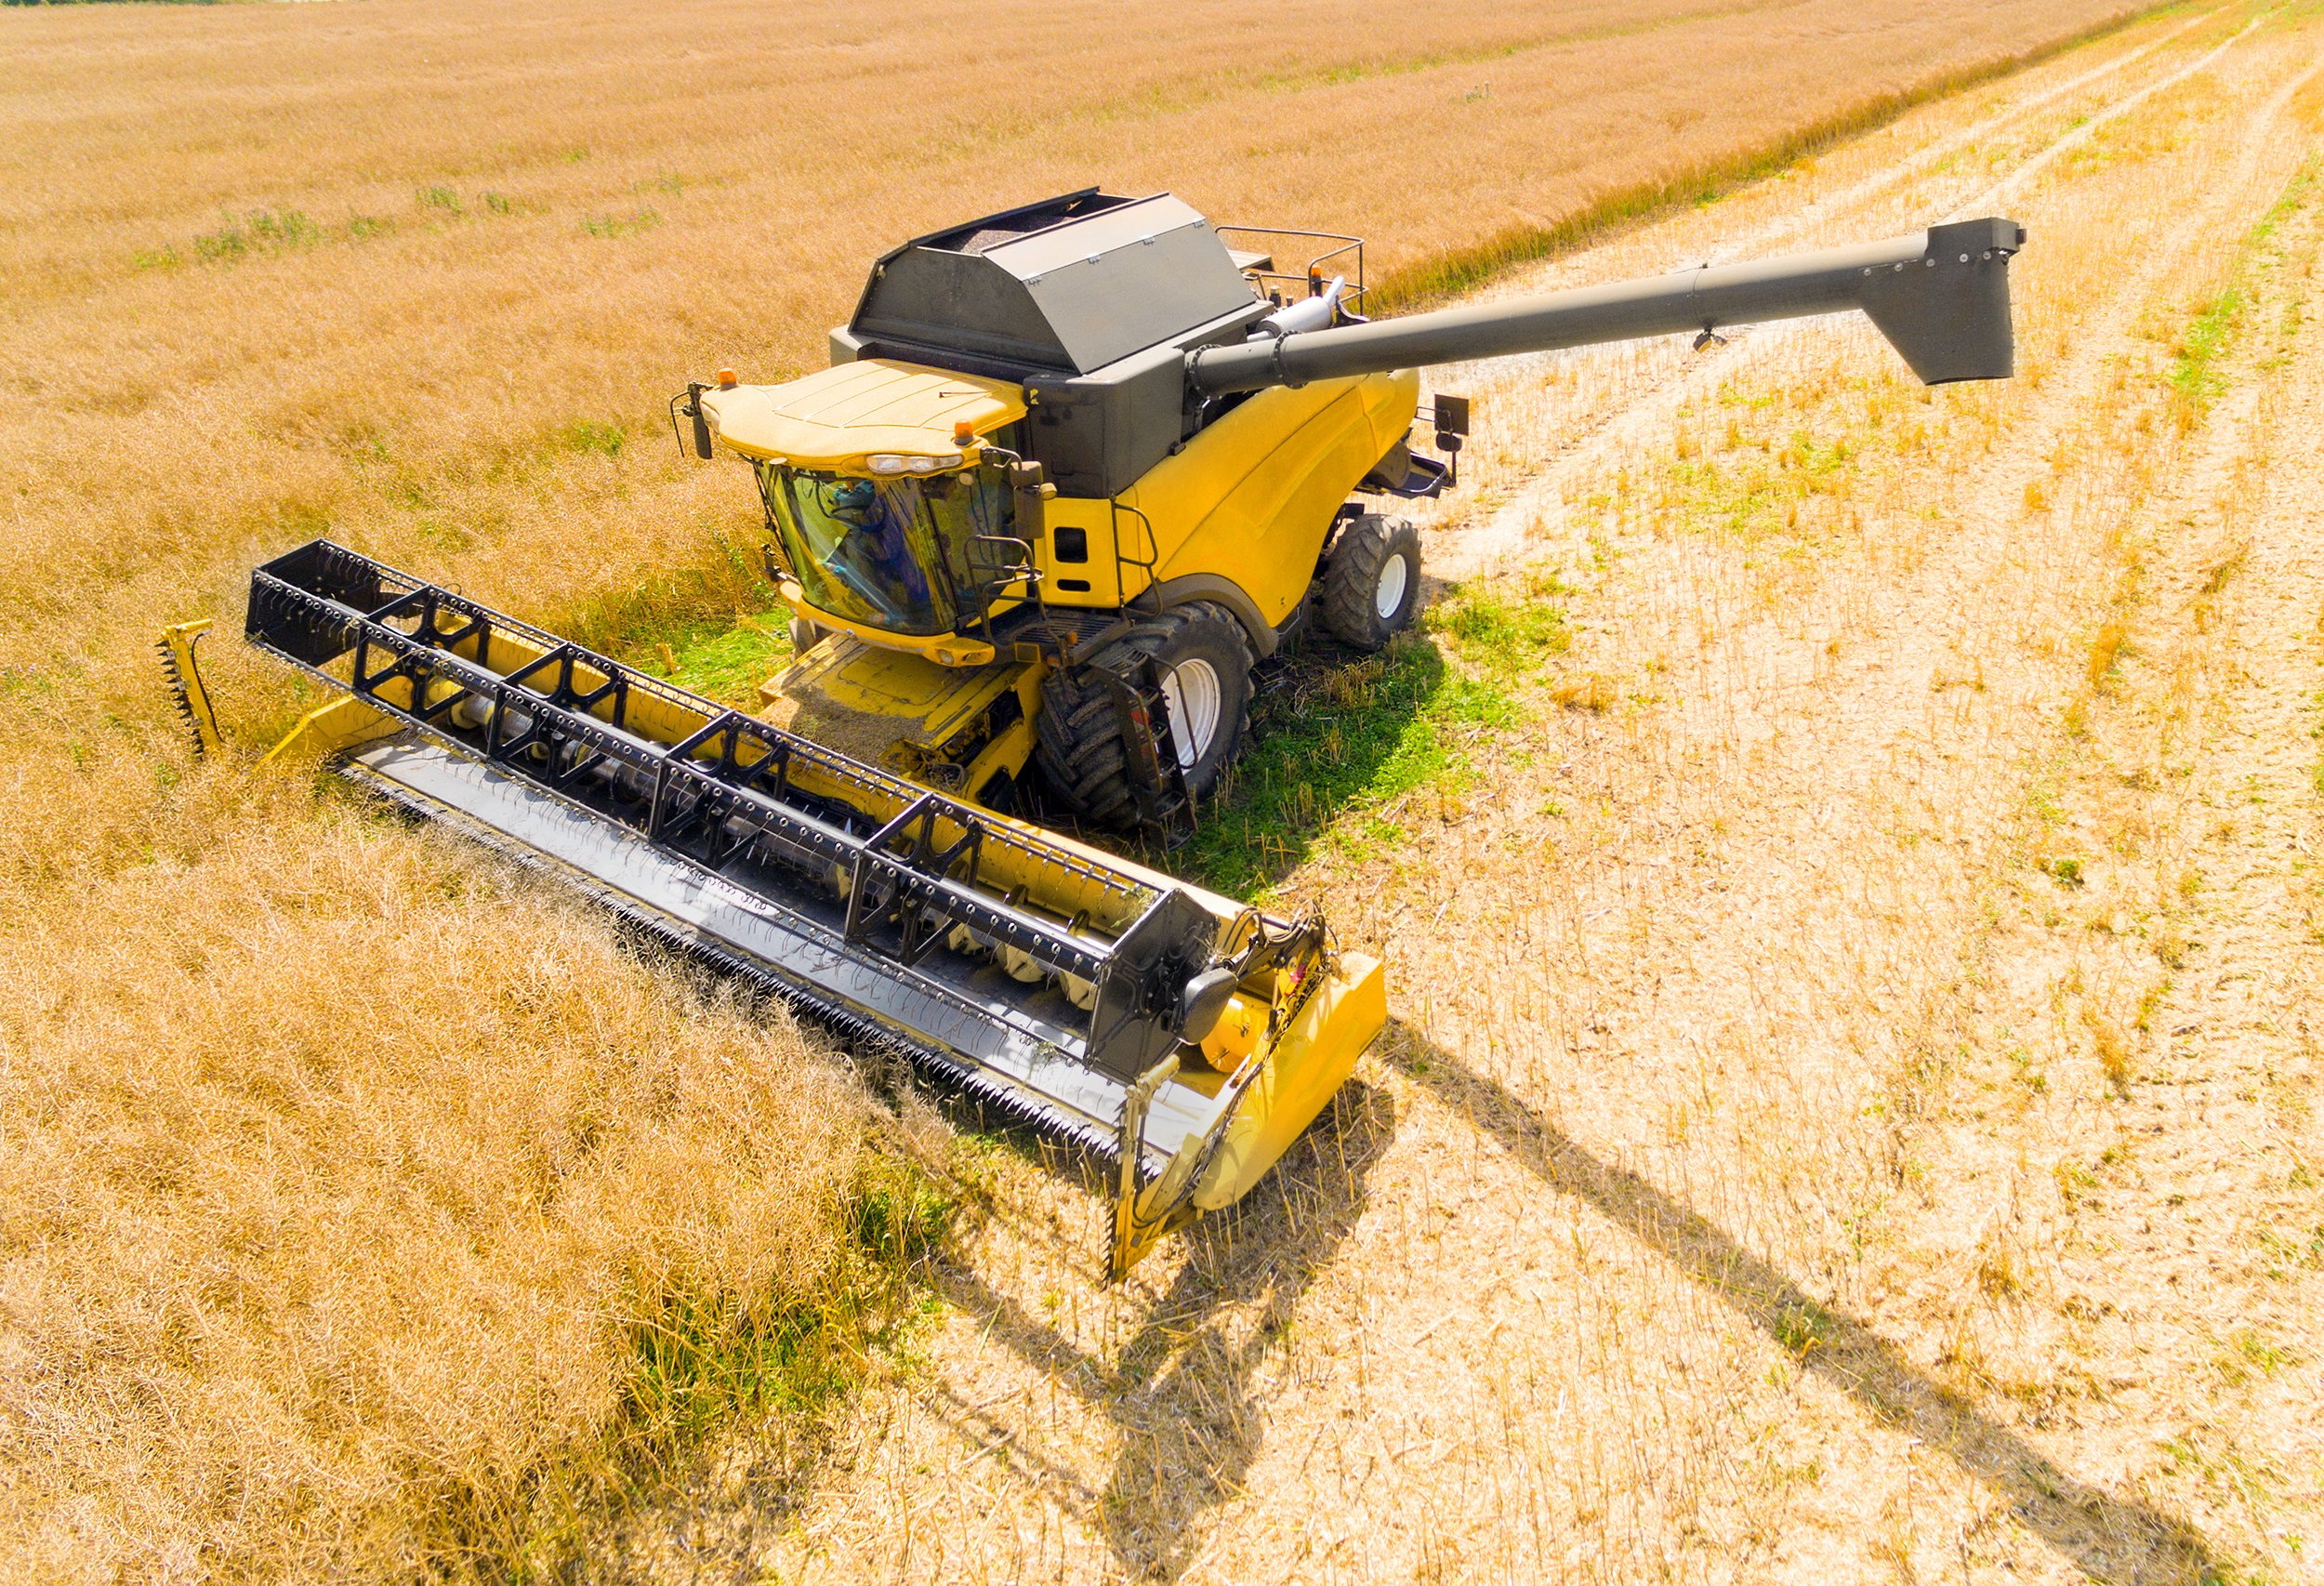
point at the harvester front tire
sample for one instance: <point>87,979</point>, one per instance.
<point>1205,661</point>
<point>1372,583</point>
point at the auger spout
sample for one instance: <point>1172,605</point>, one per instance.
<point>1941,297</point>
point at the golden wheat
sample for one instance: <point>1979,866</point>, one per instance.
<point>1787,1166</point>
<point>339,1168</point>
<point>340,1172</point>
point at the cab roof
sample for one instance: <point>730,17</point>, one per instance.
<point>839,417</point>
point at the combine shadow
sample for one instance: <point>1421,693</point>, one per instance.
<point>1325,723</point>
<point>2109,1539</point>
<point>1182,1391</point>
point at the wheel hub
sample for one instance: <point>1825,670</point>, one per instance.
<point>1191,694</point>
<point>1388,594</point>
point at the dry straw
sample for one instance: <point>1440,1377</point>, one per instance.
<point>355,1192</point>
<point>1787,1165</point>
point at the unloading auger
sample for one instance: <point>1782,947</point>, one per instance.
<point>1075,467</point>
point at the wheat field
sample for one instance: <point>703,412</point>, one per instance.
<point>357,1191</point>
<point>1851,1108</point>
<point>1938,732</point>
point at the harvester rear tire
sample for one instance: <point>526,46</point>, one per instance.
<point>1371,586</point>
<point>1206,661</point>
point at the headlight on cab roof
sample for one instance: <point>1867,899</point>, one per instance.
<point>890,463</point>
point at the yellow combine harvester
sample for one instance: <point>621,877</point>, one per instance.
<point>1073,468</point>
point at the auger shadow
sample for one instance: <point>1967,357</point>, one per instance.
<point>2108,1538</point>
<point>1182,1392</point>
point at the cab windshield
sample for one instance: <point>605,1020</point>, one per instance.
<point>892,553</point>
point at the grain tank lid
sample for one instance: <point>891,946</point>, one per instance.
<point>1067,285</point>
<point>1010,224</point>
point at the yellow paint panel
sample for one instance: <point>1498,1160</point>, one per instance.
<point>837,418</point>
<point>1311,1059</point>
<point>1252,498</point>
<point>341,724</point>
<point>928,702</point>
<point>1095,520</point>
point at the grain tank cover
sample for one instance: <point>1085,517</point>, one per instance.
<point>1067,285</point>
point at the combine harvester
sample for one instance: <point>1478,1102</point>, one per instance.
<point>1072,470</point>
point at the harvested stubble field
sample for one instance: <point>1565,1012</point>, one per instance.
<point>1846,852</point>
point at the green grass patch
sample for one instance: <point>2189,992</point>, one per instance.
<point>1327,741</point>
<point>257,231</point>
<point>728,664</point>
<point>601,436</point>
<point>277,231</point>
<point>1339,743</point>
<point>693,624</point>
<point>699,1361</point>
<point>1342,741</point>
<point>1475,702</point>
<point>898,1217</point>
<point>620,225</point>
<point>2197,378</point>
<point>1508,636</point>
<point>451,203</point>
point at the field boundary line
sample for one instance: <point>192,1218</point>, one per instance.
<point>1848,197</point>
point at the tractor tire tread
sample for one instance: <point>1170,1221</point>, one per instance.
<point>1351,576</point>
<point>1077,741</point>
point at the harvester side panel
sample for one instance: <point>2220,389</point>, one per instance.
<point>1251,498</point>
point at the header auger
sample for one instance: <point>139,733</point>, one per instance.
<point>1075,468</point>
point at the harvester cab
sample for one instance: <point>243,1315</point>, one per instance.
<point>1075,467</point>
